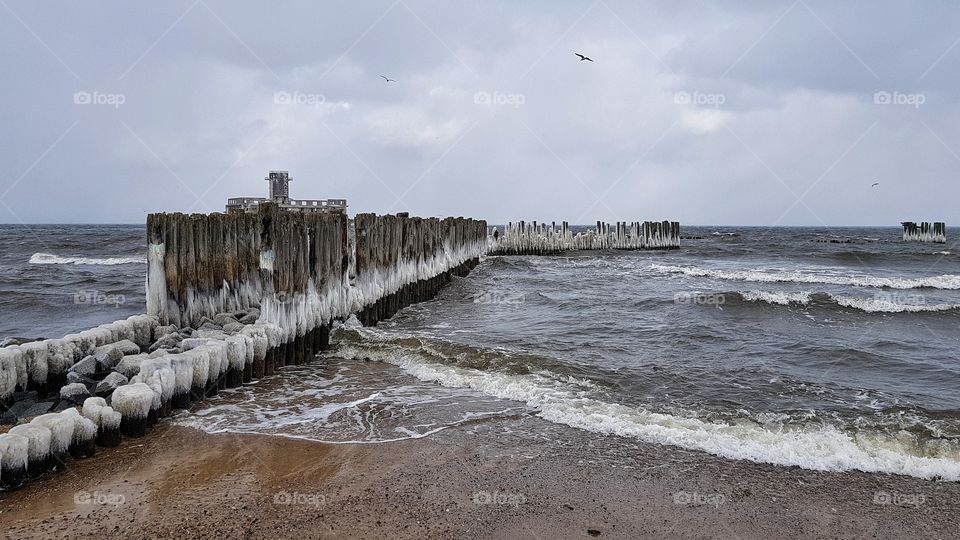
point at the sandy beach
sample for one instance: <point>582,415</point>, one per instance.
<point>476,481</point>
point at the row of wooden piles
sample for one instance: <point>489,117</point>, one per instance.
<point>302,270</point>
<point>401,260</point>
<point>925,232</point>
<point>533,238</point>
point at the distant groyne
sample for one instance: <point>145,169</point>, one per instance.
<point>532,238</point>
<point>925,232</point>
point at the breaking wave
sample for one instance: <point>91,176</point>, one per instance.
<point>881,303</point>
<point>816,446</point>
<point>945,281</point>
<point>49,258</point>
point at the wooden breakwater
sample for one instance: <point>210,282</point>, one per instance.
<point>532,238</point>
<point>925,232</point>
<point>400,260</point>
<point>230,298</point>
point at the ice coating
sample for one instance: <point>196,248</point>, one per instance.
<point>540,238</point>
<point>61,430</point>
<point>14,452</point>
<point>301,271</point>
<point>39,438</point>
<point>133,400</point>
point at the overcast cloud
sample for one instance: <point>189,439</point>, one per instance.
<point>708,113</point>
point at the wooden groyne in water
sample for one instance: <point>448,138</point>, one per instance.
<point>532,238</point>
<point>925,232</point>
<point>230,298</point>
<point>401,260</point>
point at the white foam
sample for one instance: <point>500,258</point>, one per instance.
<point>815,447</point>
<point>50,258</point>
<point>777,297</point>
<point>879,303</point>
<point>945,281</point>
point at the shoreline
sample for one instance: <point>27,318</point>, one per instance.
<point>491,479</point>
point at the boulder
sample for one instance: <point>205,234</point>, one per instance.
<point>130,365</point>
<point>63,405</point>
<point>223,319</point>
<point>27,395</point>
<point>7,342</point>
<point>107,359</point>
<point>86,367</point>
<point>185,332</point>
<point>73,377</point>
<point>125,346</point>
<point>166,342</point>
<point>233,327</point>
<point>163,330</point>
<point>74,393</point>
<point>110,383</point>
<point>25,409</point>
<point>210,333</point>
<point>211,326</point>
<point>251,317</point>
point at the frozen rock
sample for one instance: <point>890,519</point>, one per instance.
<point>110,383</point>
<point>130,365</point>
<point>86,367</point>
<point>125,346</point>
<point>74,393</point>
<point>233,328</point>
<point>107,358</point>
<point>166,342</point>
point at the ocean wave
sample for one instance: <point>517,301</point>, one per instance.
<point>49,258</point>
<point>945,281</point>
<point>880,303</point>
<point>816,446</point>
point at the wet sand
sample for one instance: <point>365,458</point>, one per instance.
<point>489,480</point>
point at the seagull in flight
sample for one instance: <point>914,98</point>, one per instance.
<point>582,57</point>
<point>388,79</point>
<point>875,184</point>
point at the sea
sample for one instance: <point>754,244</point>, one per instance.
<point>828,349</point>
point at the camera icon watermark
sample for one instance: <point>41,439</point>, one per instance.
<point>98,498</point>
<point>298,98</point>
<point>499,298</point>
<point>884,97</point>
<point>905,299</point>
<point>700,299</point>
<point>886,498</point>
<point>499,498</point>
<point>99,98</point>
<point>499,98</point>
<point>294,498</point>
<point>97,298</point>
<point>699,99</point>
<point>692,498</point>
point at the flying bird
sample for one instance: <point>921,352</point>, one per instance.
<point>388,79</point>
<point>875,184</point>
<point>582,57</point>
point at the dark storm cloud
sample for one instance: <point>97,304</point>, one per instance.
<point>764,113</point>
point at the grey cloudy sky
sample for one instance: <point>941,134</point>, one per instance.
<point>708,113</point>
